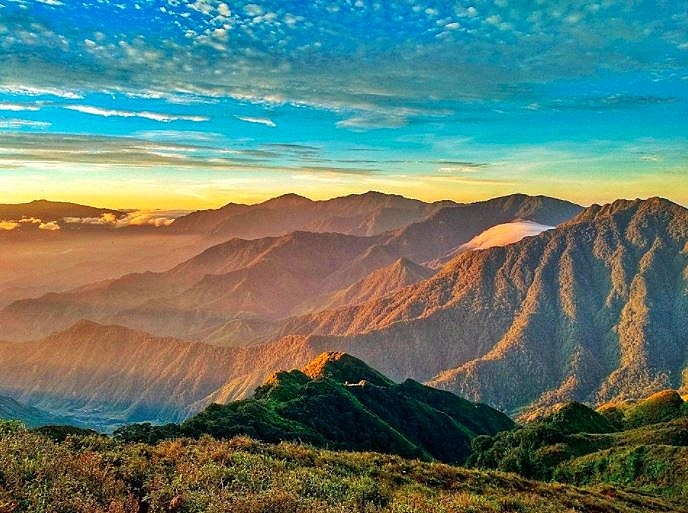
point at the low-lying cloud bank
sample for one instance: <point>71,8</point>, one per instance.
<point>156,218</point>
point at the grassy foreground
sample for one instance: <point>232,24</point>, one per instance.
<point>93,473</point>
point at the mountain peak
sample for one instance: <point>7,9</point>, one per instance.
<point>288,200</point>
<point>626,207</point>
<point>343,368</point>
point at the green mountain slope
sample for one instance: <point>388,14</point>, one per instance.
<point>337,401</point>
<point>641,445</point>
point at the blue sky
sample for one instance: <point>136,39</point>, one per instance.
<point>176,104</point>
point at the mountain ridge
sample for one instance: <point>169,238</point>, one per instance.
<point>269,278</point>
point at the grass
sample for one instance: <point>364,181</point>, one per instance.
<point>97,474</point>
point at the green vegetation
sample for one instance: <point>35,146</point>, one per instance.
<point>339,402</point>
<point>97,474</point>
<point>642,446</point>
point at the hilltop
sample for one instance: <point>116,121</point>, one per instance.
<point>337,401</point>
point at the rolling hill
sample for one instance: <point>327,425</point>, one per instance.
<point>640,445</point>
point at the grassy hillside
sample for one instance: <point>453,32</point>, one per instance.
<point>641,446</point>
<point>95,474</point>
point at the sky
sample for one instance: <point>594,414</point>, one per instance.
<point>174,104</point>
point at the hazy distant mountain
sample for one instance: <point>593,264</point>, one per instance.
<point>357,214</point>
<point>110,374</point>
<point>52,211</point>
<point>380,283</point>
<point>593,310</point>
<point>274,277</point>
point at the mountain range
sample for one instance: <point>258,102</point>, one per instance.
<point>592,310</point>
<point>269,278</point>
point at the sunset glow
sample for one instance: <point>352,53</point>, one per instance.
<point>169,104</point>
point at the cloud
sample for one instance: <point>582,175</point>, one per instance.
<point>30,220</point>
<point>50,226</point>
<point>155,218</point>
<point>15,124</point>
<point>107,218</point>
<point>15,107</point>
<point>175,135</point>
<point>450,167</point>
<point>503,234</point>
<point>371,122</point>
<point>9,225</point>
<point>26,90</point>
<point>259,121</point>
<point>12,224</point>
<point>155,116</point>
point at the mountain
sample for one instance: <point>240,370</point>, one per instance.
<point>30,416</point>
<point>449,228</point>
<point>240,279</point>
<point>271,278</point>
<point>593,310</point>
<point>108,374</point>
<point>381,282</point>
<point>338,401</point>
<point>357,214</point>
<point>640,445</point>
<point>52,211</point>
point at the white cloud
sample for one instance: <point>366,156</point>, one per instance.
<point>155,116</point>
<point>8,225</point>
<point>11,124</point>
<point>50,226</point>
<point>372,122</point>
<point>503,234</point>
<point>30,220</point>
<point>136,218</point>
<point>259,121</point>
<point>253,10</point>
<point>15,107</point>
<point>155,218</point>
<point>39,91</point>
<point>104,219</point>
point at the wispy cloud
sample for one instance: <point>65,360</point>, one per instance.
<point>14,124</point>
<point>154,116</point>
<point>16,107</point>
<point>258,121</point>
<point>26,90</point>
